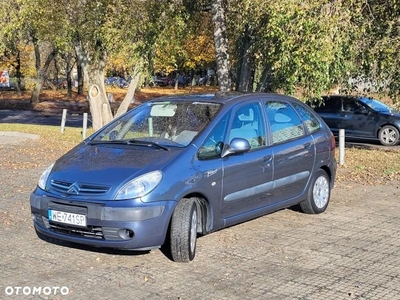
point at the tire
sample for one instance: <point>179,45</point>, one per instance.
<point>389,135</point>
<point>183,234</point>
<point>318,194</point>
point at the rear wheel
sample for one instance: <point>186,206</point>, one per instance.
<point>318,194</point>
<point>389,135</point>
<point>183,235</point>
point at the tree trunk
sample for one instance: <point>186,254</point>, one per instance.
<point>79,79</point>
<point>245,72</point>
<point>68,71</point>
<point>56,83</point>
<point>93,70</point>
<point>221,45</point>
<point>130,95</point>
<point>41,74</point>
<point>18,72</point>
<point>81,61</point>
<point>100,108</point>
<point>265,84</point>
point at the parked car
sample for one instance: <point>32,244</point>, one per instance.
<point>160,81</point>
<point>361,117</point>
<point>62,83</point>
<point>117,82</point>
<point>177,167</point>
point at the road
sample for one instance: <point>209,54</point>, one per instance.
<point>41,118</point>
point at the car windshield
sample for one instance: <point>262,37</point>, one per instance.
<point>375,104</point>
<point>166,123</point>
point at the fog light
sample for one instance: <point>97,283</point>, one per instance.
<point>33,217</point>
<point>125,234</point>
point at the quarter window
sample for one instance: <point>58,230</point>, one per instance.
<point>285,124</point>
<point>310,121</point>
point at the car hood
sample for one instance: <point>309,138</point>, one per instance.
<point>110,165</point>
<point>390,113</point>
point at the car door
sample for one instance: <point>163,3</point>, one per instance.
<point>246,176</point>
<point>330,110</point>
<point>293,152</point>
<point>357,119</point>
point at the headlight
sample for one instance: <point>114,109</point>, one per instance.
<point>44,176</point>
<point>139,186</point>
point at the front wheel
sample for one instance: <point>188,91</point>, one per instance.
<point>318,194</point>
<point>389,135</point>
<point>183,235</point>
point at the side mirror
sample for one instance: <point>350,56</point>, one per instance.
<point>237,146</point>
<point>362,111</point>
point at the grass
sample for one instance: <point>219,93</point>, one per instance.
<point>41,152</point>
<point>369,166</point>
<point>51,134</point>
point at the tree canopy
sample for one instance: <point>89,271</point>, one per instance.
<point>254,45</point>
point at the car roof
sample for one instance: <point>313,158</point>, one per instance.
<point>345,96</point>
<point>225,98</point>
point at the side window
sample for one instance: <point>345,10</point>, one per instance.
<point>310,121</point>
<point>328,104</point>
<point>285,124</point>
<point>212,146</point>
<point>248,123</point>
<point>351,104</point>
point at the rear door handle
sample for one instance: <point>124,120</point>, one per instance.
<point>267,159</point>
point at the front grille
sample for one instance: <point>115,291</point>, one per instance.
<point>76,188</point>
<point>88,232</point>
<point>93,232</point>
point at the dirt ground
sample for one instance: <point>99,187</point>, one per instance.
<point>51,100</point>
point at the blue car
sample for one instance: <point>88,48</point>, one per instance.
<point>178,167</point>
<point>360,117</point>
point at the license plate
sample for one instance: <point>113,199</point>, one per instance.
<point>67,218</point>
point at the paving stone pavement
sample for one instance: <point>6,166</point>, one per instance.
<point>349,252</point>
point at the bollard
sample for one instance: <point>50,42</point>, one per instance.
<point>341,147</point>
<point>85,117</point>
<point>63,119</point>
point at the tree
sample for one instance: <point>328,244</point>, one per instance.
<point>43,27</point>
<point>10,39</point>
<point>170,54</point>
<point>221,45</point>
<point>40,24</point>
<point>292,45</point>
<point>185,43</point>
<point>378,57</point>
<point>283,46</point>
<point>102,29</point>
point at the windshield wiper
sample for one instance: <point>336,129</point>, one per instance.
<point>131,142</point>
<point>147,143</point>
<point>118,142</point>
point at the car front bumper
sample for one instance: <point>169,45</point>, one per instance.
<point>129,224</point>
